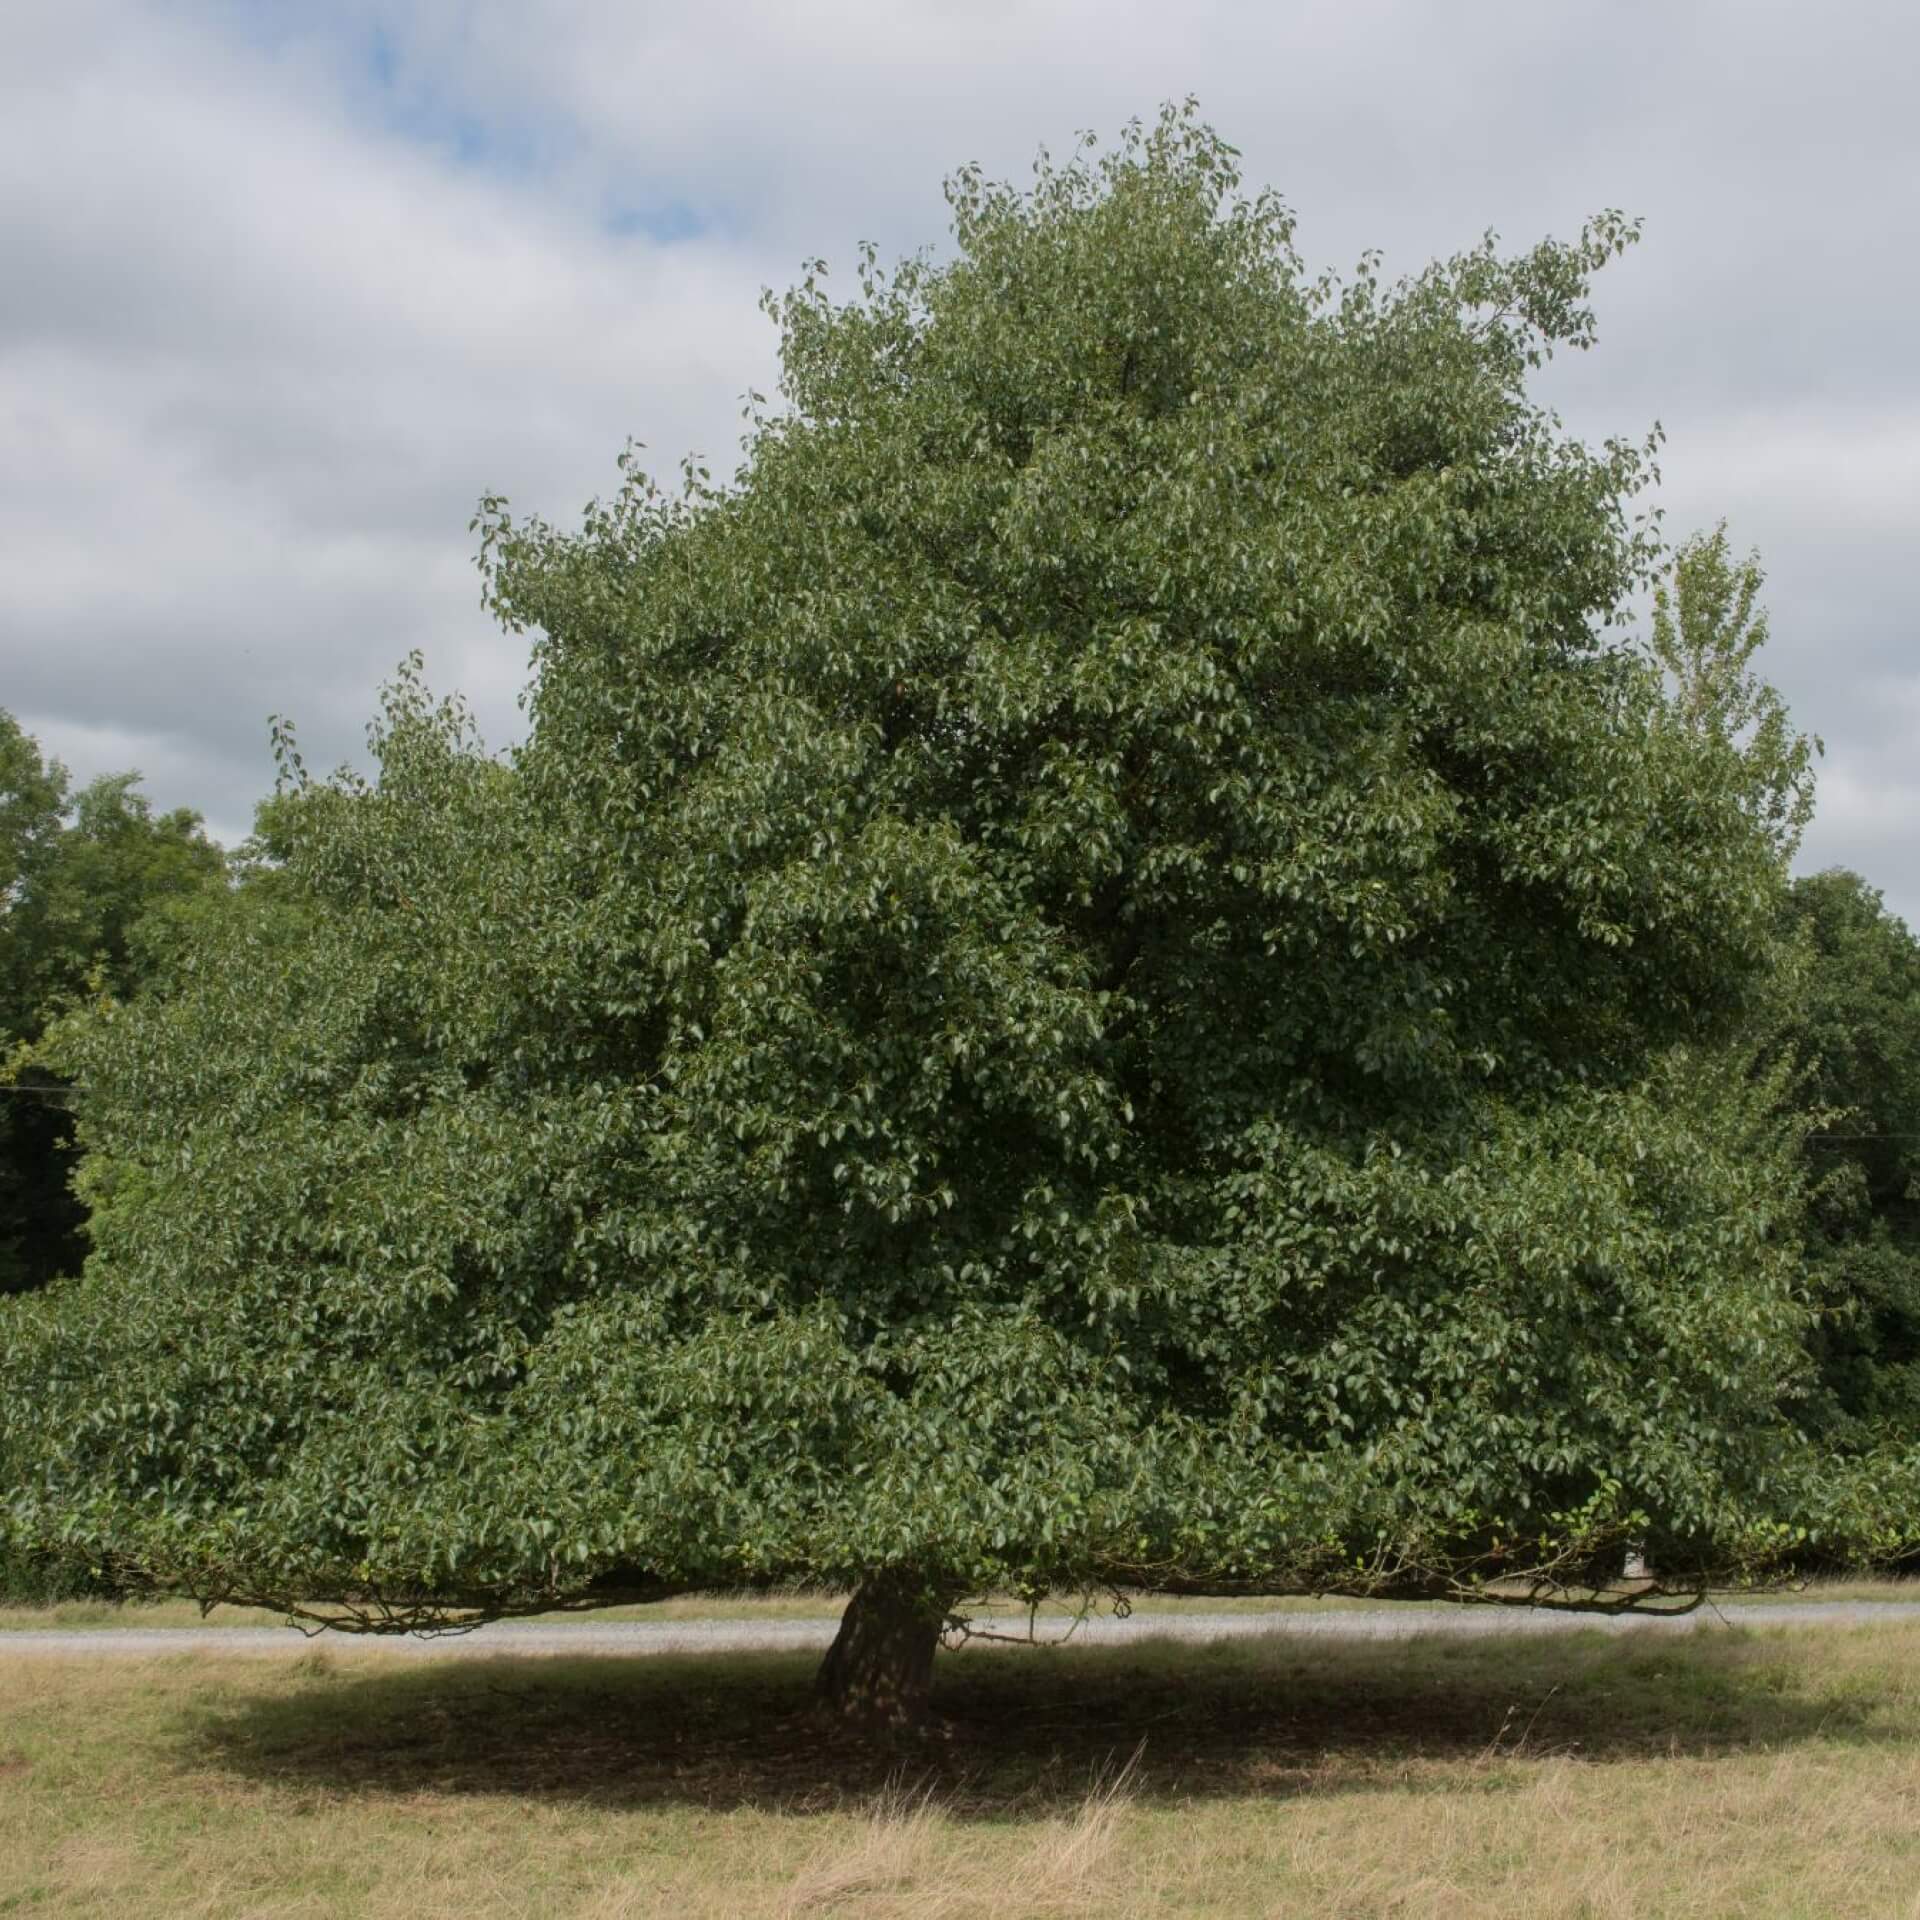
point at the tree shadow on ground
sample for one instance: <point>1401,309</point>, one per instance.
<point>1024,1733</point>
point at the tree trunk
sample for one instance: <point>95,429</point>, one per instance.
<point>879,1671</point>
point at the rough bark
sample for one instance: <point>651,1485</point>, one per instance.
<point>878,1673</point>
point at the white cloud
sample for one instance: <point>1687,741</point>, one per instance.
<point>255,368</point>
<point>1869,800</point>
<point>1846,472</point>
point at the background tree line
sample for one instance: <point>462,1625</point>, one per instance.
<point>93,889</point>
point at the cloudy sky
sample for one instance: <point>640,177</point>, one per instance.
<point>284,288</point>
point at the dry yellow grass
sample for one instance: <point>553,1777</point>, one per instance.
<point>1728,1774</point>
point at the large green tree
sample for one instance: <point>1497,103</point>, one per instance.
<point>1109,967</point>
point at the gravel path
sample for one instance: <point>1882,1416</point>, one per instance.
<point>634,1637</point>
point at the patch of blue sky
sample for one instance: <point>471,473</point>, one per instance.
<point>391,89</point>
<point>407,99</point>
<point>664,221</point>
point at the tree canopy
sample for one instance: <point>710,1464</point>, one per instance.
<point>1110,966</point>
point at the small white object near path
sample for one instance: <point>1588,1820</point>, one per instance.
<point>642,1637</point>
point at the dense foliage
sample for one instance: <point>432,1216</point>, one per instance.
<point>1110,967</point>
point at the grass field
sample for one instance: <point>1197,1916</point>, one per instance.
<point>1729,1773</point>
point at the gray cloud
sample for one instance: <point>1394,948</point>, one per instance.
<point>279,304</point>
